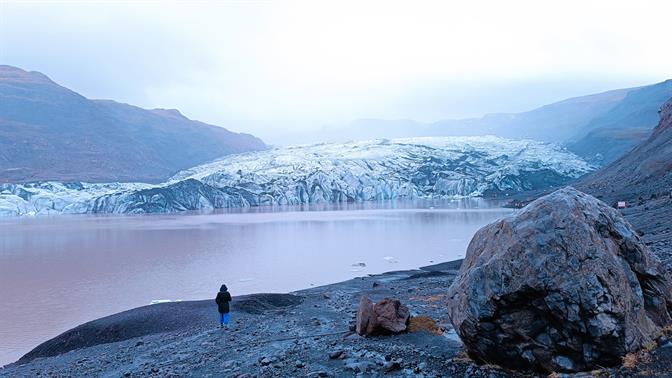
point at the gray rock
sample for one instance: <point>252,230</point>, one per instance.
<point>391,366</point>
<point>267,361</point>
<point>320,373</point>
<point>359,366</point>
<point>564,285</point>
<point>339,354</point>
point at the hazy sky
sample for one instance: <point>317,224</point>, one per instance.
<point>280,68</point>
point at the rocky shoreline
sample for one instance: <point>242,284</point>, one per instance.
<point>304,333</point>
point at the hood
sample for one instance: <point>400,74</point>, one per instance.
<point>223,288</point>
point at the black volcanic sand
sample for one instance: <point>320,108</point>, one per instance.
<point>305,333</point>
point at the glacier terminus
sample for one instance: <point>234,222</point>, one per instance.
<point>373,170</point>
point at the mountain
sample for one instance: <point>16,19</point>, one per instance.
<point>555,122</point>
<point>608,136</point>
<point>600,127</point>
<point>643,179</point>
<point>645,172</point>
<point>325,173</point>
<point>48,132</point>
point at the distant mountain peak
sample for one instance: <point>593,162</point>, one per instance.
<point>11,74</point>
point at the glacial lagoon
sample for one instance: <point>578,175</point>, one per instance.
<point>60,271</point>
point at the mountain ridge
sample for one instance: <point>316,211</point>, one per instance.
<point>600,127</point>
<point>49,132</point>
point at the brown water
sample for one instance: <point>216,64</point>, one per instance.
<point>58,272</point>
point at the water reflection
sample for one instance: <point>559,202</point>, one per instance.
<point>57,272</point>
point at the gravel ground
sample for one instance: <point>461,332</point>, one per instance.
<point>305,333</point>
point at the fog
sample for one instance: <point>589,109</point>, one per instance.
<point>287,71</point>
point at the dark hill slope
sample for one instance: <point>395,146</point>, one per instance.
<point>609,136</point>
<point>48,132</point>
<point>645,171</point>
<point>643,178</point>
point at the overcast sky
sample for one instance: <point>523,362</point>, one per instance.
<point>281,68</point>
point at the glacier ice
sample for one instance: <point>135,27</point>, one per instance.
<point>331,172</point>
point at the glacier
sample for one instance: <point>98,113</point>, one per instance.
<point>427,167</point>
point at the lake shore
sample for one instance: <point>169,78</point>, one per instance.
<point>303,333</point>
<point>82,268</point>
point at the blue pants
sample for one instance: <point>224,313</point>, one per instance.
<point>224,318</point>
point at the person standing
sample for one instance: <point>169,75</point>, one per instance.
<point>223,298</point>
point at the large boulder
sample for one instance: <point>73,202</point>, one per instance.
<point>388,316</point>
<point>563,285</point>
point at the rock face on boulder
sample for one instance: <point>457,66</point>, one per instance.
<point>388,316</point>
<point>563,285</point>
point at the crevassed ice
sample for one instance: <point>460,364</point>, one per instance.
<point>332,172</point>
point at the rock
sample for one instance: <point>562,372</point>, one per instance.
<point>365,321</point>
<point>339,354</point>
<point>229,364</point>
<point>320,373</point>
<point>359,366</point>
<point>391,366</point>
<point>391,315</point>
<point>388,316</point>
<point>267,361</point>
<point>564,285</point>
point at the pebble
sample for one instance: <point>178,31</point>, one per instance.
<point>320,373</point>
<point>266,361</point>
<point>391,366</point>
<point>339,354</point>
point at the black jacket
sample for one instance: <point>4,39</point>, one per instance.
<point>223,299</point>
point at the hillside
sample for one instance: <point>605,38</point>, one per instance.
<point>643,179</point>
<point>48,132</point>
<point>609,136</point>
<point>644,172</point>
